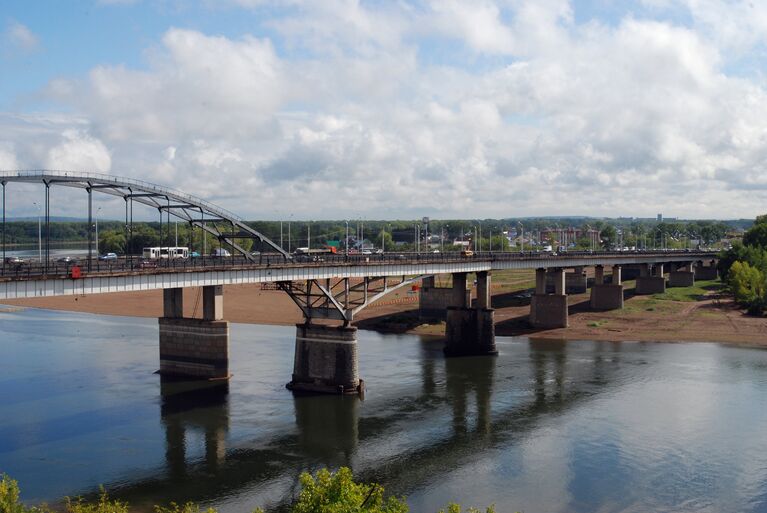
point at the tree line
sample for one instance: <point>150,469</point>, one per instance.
<point>404,235</point>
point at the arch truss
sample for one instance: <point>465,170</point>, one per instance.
<point>217,221</point>
<point>342,298</point>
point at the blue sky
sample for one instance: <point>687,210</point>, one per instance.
<point>497,108</point>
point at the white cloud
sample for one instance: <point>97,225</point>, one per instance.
<point>8,160</point>
<point>449,109</point>
<point>19,39</point>
<point>79,152</point>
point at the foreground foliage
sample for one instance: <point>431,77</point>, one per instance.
<point>324,492</point>
<point>744,268</point>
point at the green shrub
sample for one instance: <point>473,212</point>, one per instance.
<point>327,492</point>
<point>324,492</point>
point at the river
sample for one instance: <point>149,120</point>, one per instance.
<point>544,427</point>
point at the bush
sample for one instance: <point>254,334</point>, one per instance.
<point>325,492</point>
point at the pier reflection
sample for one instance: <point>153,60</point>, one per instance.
<point>199,406</point>
<point>483,401</point>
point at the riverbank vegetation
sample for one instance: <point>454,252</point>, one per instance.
<point>744,268</point>
<point>323,492</point>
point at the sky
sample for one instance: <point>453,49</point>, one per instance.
<point>343,109</point>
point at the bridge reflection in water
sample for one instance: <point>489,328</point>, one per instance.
<point>460,409</point>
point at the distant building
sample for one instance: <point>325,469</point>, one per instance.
<point>660,218</point>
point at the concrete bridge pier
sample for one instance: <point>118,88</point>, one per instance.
<point>706,272</point>
<point>470,331</point>
<point>576,281</point>
<point>549,310</point>
<point>434,301</point>
<point>607,296</point>
<point>684,277</point>
<point>197,348</point>
<point>650,284</point>
<point>325,360</point>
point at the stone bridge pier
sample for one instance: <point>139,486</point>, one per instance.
<point>607,296</point>
<point>470,331</point>
<point>647,283</point>
<point>197,348</point>
<point>325,360</point>
<point>549,310</point>
<point>684,277</point>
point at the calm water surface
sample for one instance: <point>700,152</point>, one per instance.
<point>544,427</point>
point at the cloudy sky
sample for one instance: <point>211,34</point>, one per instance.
<point>397,109</point>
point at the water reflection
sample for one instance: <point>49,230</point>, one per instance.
<point>194,405</point>
<point>544,426</point>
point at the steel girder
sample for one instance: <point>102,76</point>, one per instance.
<point>186,207</point>
<point>340,299</point>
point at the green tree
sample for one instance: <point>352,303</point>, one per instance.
<point>747,284</point>
<point>327,492</point>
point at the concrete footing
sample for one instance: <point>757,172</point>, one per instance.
<point>194,347</point>
<point>470,332</point>
<point>650,285</point>
<point>681,279</point>
<point>548,311</point>
<point>607,296</point>
<point>325,360</point>
<point>703,272</point>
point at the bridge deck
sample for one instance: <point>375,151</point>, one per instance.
<point>127,276</point>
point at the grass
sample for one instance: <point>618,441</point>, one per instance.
<point>687,294</point>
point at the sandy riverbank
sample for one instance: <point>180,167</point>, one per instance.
<point>644,318</point>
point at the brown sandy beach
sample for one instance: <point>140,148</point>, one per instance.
<point>710,318</point>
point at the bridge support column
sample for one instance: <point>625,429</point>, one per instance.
<point>471,331</point>
<point>325,360</point>
<point>549,310</point>
<point>684,277</point>
<point>433,301</point>
<point>608,296</point>
<point>647,284</point>
<point>197,348</point>
<point>575,282</point>
<point>706,272</point>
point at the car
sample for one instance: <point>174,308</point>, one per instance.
<point>367,252</point>
<point>108,256</point>
<point>13,260</point>
<point>467,253</point>
<point>194,254</point>
<point>67,260</point>
<point>220,253</point>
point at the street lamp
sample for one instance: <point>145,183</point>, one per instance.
<point>97,229</point>
<point>346,246</point>
<point>39,234</point>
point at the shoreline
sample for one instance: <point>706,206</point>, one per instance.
<point>709,318</point>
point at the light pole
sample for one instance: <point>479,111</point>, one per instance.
<point>346,246</point>
<point>40,234</point>
<point>289,219</point>
<point>97,229</point>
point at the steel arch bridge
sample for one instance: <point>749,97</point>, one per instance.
<point>219,222</point>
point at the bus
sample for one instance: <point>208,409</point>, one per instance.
<point>163,252</point>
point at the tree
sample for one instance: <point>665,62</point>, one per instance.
<point>757,235</point>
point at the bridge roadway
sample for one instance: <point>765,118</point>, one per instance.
<point>129,275</point>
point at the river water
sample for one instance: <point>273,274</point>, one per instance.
<point>543,427</point>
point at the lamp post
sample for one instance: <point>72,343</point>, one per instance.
<point>96,217</point>
<point>40,234</point>
<point>346,246</point>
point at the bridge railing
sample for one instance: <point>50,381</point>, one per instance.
<point>70,267</point>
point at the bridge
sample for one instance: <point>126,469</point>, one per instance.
<point>327,288</point>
